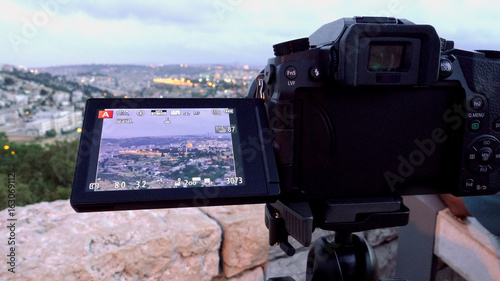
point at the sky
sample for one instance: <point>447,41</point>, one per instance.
<point>37,33</point>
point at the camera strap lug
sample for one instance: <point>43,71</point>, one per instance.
<point>260,86</point>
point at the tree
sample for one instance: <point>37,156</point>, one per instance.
<point>51,133</point>
<point>9,81</point>
<point>42,173</point>
<point>3,138</point>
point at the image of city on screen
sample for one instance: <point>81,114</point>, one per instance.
<point>166,148</point>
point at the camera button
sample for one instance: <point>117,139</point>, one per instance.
<point>445,68</point>
<point>485,155</point>
<point>477,103</point>
<point>475,125</point>
<point>496,156</point>
<point>468,185</point>
<point>315,73</point>
<point>483,169</point>
<point>496,125</point>
<point>472,156</point>
<point>481,187</point>
<point>291,72</point>
<point>487,142</point>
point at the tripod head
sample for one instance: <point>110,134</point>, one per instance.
<point>299,219</point>
<point>346,256</point>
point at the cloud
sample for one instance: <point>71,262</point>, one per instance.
<point>215,31</point>
<point>184,12</point>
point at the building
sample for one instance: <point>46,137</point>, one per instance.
<point>8,115</point>
<point>61,97</point>
<point>63,121</point>
<point>7,68</point>
<point>76,96</point>
<point>21,99</point>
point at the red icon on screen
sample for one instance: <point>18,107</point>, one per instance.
<point>105,114</point>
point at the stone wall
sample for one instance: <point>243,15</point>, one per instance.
<point>214,244</point>
<point>55,243</point>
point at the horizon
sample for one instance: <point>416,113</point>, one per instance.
<point>20,66</point>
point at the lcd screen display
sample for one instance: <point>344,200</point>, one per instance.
<point>166,148</point>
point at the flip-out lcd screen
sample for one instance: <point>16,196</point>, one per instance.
<point>164,153</point>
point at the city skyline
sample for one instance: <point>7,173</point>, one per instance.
<point>176,162</point>
<point>35,103</point>
<point>65,32</point>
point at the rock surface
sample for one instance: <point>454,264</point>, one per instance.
<point>55,243</point>
<point>256,274</point>
<point>376,237</point>
<point>245,236</point>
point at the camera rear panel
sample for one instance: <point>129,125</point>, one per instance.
<point>377,141</point>
<point>335,141</point>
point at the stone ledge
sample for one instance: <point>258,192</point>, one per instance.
<point>467,248</point>
<point>55,243</point>
<point>245,241</point>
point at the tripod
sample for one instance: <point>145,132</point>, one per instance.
<point>345,257</point>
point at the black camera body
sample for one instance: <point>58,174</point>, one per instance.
<point>372,107</point>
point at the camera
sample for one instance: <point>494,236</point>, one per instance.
<point>335,129</point>
<point>369,107</point>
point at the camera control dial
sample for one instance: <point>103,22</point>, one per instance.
<point>291,47</point>
<point>484,154</point>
